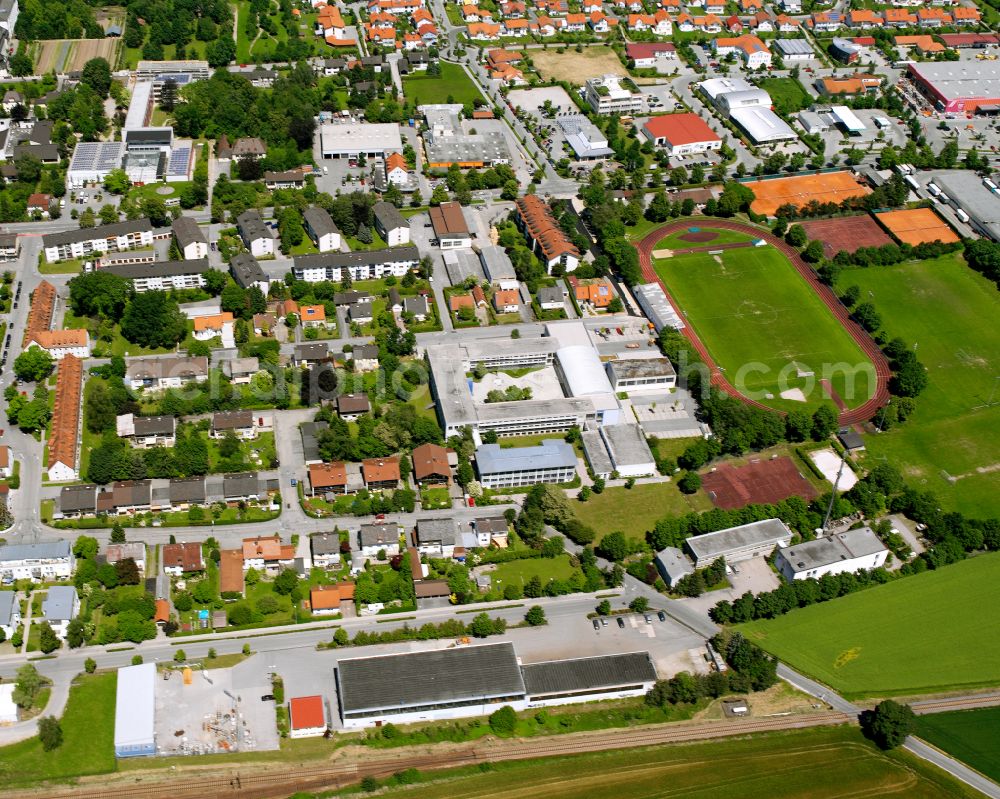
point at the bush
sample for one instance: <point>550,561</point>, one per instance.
<point>50,733</point>
<point>179,656</point>
<point>503,721</point>
<point>369,785</point>
<point>136,660</point>
<point>535,616</point>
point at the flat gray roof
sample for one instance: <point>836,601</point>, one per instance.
<point>159,269</point>
<point>58,603</point>
<point>631,368</point>
<point>421,679</point>
<point>627,445</point>
<point>47,550</point>
<point>487,147</point>
<point>552,453</point>
<point>360,137</point>
<point>597,452</point>
<point>656,306</point>
<point>496,263</point>
<point>717,544</point>
<point>674,563</point>
<point>587,674</point>
<point>954,79</point>
<point>135,705</point>
<point>762,124</point>
<point>833,549</point>
<point>967,189</point>
<point>794,46</point>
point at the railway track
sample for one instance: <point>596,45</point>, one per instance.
<point>847,417</point>
<point>945,704</point>
<point>245,783</point>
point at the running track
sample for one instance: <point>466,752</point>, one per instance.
<point>848,417</point>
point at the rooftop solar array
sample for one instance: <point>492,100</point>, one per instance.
<point>180,159</point>
<point>97,155</point>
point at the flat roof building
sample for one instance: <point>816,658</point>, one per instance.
<point>306,716</point>
<point>623,447</point>
<point>735,544</point>
<point>135,709</point>
<point>673,565</point>
<point>431,685</point>
<point>560,682</point>
<point>553,461</point>
<point>353,139</point>
<point>958,86</point>
<point>641,374</point>
<point>849,551</point>
<point>656,306</point>
<point>761,124</point>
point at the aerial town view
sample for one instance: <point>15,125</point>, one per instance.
<point>552,399</point>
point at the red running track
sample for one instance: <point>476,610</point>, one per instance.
<point>848,417</point>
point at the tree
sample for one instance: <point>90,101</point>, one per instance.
<point>116,181</point>
<point>85,547</point>
<point>48,641</point>
<point>340,637</point>
<point>21,64</point>
<point>50,733</point>
<point>614,546</point>
<point>639,605</point>
<point>689,482</point>
<point>153,319</point>
<point>99,294</point>
<point>97,75</point>
<point>888,724</point>
<point>27,684</point>
<point>824,422</point>
<point>286,582</point>
<point>503,721</point>
<point>90,665</point>
<point>796,236</point>
<point>604,608</point>
<point>86,219</point>
<point>535,616</point>
<point>108,214</point>
<point>813,253</point>
<point>117,534</point>
<point>34,365</point>
<point>482,626</point>
<point>866,316</point>
<point>180,656</point>
<point>75,635</point>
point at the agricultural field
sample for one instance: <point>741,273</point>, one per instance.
<point>969,735</point>
<point>766,328</point>
<point>787,94</point>
<point>574,67</point>
<point>820,764</point>
<point>876,642</point>
<point>635,510</point>
<point>453,83</point>
<point>70,55</point>
<point>948,312</point>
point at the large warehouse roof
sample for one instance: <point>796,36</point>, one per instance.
<point>713,87</point>
<point>353,138</point>
<point>552,453</point>
<point>586,674</point>
<point>960,78</point>
<point>581,366</point>
<point>762,124</point>
<point>418,679</point>
<point>135,705</point>
<point>680,129</point>
<point>717,544</point>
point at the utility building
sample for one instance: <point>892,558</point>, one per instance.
<point>135,708</point>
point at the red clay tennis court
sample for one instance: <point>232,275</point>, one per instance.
<point>917,226</point>
<point>758,482</point>
<point>799,190</point>
<point>848,233</point>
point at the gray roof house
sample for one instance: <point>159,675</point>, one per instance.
<point>60,604</point>
<point>672,564</point>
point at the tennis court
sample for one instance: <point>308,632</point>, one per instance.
<point>800,190</point>
<point>759,482</point>
<point>917,226</point>
<point>848,233</point>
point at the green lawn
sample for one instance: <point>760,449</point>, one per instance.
<point>787,94</point>
<point>453,86</point>
<point>815,763</point>
<point>675,242</point>
<point>763,325</point>
<point>635,510</point>
<point>435,498</point>
<point>72,266</point>
<point>969,735</point>
<point>88,738</point>
<point>915,635</point>
<point>520,571</point>
<point>949,312</point>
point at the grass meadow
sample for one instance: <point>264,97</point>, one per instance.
<point>453,83</point>
<point>763,325</point>
<point>950,445</point>
<point>920,634</point>
<point>969,735</point>
<point>818,763</point>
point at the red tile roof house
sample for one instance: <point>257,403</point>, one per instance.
<point>306,717</point>
<point>681,134</point>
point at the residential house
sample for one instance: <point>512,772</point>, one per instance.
<point>241,423</point>
<point>6,464</point>
<point>430,465</point>
<point>10,614</point>
<point>39,205</point>
<point>60,343</point>
<point>117,237</point>
<point>596,294</point>
<point>544,235</point>
<point>247,272</point>
<point>241,370</point>
<point>380,473</point>
<point>506,301</point>
<point>397,171</point>
<point>365,358</point>
<point>291,179</point>
<point>183,558</point>
<point>327,478</point>
<point>750,49</point>
<point>390,224</point>
<point>324,600</point>
<point>64,429</point>
<point>135,550</point>
<point>311,353</point>
<point>190,238</point>
<point>375,538</point>
<point>48,561</point>
<point>257,237</point>
<point>416,307</point>
<point>351,406</point>
<point>437,537</point>
<point>144,432</point>
<point>60,606</point>
<point>185,492</point>
<point>312,316</point>
<point>325,549</point>
<point>361,313</point>
<point>241,487</point>
<point>550,298</point>
<point>231,566</point>
<point>491,531</point>
<point>267,553</point>
<point>215,326</point>
<point>161,373</point>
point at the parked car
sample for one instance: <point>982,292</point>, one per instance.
<point>661,616</point>
<point>597,624</point>
<point>621,622</point>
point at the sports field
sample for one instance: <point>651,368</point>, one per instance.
<point>698,236</point>
<point>799,190</point>
<point>950,445</point>
<point>848,233</point>
<point>766,327</point>
<point>917,226</point>
<point>973,736</point>
<point>820,764</point>
<point>916,635</point>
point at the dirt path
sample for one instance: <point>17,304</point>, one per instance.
<point>870,348</point>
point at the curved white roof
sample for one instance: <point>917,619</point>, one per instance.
<point>583,370</point>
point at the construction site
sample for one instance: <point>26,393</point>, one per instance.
<point>202,712</point>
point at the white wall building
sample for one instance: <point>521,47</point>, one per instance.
<point>60,606</point>
<point>849,551</point>
<point>52,560</point>
<point>610,94</point>
<point>553,461</point>
<point>116,237</point>
<point>735,544</point>
<point>362,265</point>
